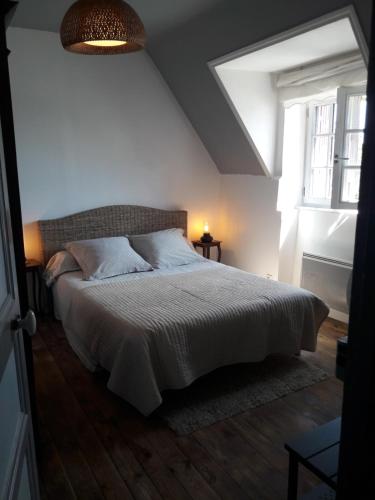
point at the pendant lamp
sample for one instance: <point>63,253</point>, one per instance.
<point>102,27</point>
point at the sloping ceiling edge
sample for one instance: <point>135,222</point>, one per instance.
<point>183,53</point>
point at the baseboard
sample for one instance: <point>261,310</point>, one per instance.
<point>339,316</point>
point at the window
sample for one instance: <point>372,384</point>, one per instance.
<point>320,153</point>
<point>335,134</point>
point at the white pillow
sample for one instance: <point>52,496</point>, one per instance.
<point>105,257</point>
<point>60,263</point>
<point>164,249</point>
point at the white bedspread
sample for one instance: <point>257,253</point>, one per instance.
<point>162,330</point>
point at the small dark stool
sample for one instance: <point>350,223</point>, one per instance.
<point>318,451</point>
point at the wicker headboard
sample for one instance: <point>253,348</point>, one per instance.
<point>116,220</point>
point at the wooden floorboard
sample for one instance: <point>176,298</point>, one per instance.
<point>93,445</point>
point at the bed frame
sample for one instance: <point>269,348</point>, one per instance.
<point>115,220</point>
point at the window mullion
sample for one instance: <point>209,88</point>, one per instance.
<point>339,148</point>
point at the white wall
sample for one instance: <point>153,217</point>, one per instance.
<point>329,233</point>
<point>250,223</point>
<point>290,190</point>
<point>93,131</point>
<point>256,102</point>
<point>325,232</point>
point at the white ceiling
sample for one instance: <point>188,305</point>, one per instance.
<point>157,15</point>
<point>327,41</point>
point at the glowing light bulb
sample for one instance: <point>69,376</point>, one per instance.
<point>206,228</point>
<point>106,43</point>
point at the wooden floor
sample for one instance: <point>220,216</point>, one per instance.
<point>92,445</point>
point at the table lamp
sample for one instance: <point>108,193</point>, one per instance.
<point>206,237</point>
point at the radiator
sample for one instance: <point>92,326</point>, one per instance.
<point>327,278</point>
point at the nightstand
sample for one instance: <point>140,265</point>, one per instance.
<point>206,248</point>
<point>34,267</point>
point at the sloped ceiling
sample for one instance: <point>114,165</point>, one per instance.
<point>184,35</point>
<point>182,54</point>
<point>249,82</point>
<point>157,15</point>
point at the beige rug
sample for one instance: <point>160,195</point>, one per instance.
<point>235,389</point>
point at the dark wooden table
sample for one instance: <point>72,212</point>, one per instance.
<point>318,451</point>
<point>34,267</point>
<point>206,248</point>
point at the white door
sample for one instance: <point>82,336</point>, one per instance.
<point>18,477</point>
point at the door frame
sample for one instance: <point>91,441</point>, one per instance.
<point>27,427</point>
<point>9,145</point>
<point>355,477</point>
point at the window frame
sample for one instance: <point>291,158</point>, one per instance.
<point>310,116</point>
<point>343,94</point>
<point>341,99</point>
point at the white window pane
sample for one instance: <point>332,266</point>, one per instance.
<point>325,118</point>
<point>356,112</point>
<point>350,185</point>
<point>353,148</point>
<point>322,153</point>
<point>321,183</point>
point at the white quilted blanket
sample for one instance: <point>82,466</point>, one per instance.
<point>166,331</point>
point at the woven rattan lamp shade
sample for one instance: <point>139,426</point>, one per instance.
<point>102,27</point>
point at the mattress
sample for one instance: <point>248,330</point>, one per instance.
<point>164,329</point>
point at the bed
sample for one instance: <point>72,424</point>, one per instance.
<point>164,329</point>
